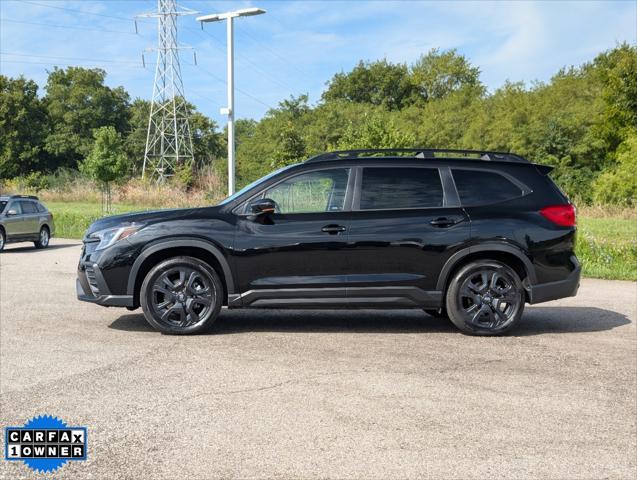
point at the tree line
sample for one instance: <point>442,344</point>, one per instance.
<point>583,121</point>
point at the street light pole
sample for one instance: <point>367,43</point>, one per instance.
<point>229,110</point>
<point>231,161</point>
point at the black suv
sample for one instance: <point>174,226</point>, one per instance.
<point>464,234</point>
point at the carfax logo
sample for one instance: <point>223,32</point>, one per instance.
<point>45,443</point>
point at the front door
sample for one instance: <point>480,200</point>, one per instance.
<point>14,224</point>
<point>403,229</point>
<point>299,251</point>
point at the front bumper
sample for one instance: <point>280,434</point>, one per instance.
<point>90,286</point>
<point>568,287</point>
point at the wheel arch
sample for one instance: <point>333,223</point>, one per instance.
<point>508,254</point>
<point>162,250</point>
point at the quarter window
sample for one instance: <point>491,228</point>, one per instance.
<point>312,192</point>
<point>394,188</point>
<point>477,187</point>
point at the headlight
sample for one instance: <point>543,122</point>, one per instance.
<point>109,236</point>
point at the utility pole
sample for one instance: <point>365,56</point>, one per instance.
<point>229,110</point>
<point>168,140</point>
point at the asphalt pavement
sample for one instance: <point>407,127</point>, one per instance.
<point>320,394</point>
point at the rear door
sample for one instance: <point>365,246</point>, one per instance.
<point>31,217</point>
<point>405,224</point>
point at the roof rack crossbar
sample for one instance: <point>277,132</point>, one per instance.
<point>421,153</point>
<point>32,197</point>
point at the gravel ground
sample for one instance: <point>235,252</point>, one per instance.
<point>324,394</point>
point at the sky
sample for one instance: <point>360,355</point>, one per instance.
<point>297,46</point>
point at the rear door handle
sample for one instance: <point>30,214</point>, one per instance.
<point>444,222</point>
<point>333,229</point>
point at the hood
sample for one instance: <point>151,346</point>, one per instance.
<point>148,217</point>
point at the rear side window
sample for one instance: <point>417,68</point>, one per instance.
<point>41,208</point>
<point>28,207</point>
<point>393,188</point>
<point>477,187</point>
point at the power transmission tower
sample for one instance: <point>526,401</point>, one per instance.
<point>168,141</point>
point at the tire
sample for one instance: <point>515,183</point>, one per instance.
<point>3,239</point>
<point>437,313</point>
<point>181,296</point>
<point>43,239</point>
<point>485,297</point>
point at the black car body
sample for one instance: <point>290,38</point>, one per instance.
<point>389,231</point>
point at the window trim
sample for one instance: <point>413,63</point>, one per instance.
<point>240,210</point>
<point>449,198</point>
<point>524,189</point>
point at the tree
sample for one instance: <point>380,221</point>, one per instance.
<point>375,132</point>
<point>77,102</point>
<point>107,161</point>
<point>619,185</point>
<point>437,74</point>
<point>379,83</point>
<point>22,127</point>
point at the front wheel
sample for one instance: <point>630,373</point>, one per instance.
<point>485,297</point>
<point>181,295</point>
<point>3,239</point>
<point>43,238</point>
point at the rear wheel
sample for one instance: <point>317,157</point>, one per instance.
<point>181,295</point>
<point>485,297</point>
<point>43,239</point>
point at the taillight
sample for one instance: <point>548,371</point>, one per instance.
<point>563,215</point>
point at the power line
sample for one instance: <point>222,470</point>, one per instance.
<point>249,62</point>
<point>68,58</point>
<point>66,26</point>
<point>74,64</point>
<point>74,10</point>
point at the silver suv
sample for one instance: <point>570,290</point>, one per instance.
<point>24,219</point>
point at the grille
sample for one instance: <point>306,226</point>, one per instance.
<point>92,280</point>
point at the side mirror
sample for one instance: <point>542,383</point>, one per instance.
<point>262,206</point>
<point>11,212</point>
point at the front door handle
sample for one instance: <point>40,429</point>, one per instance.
<point>444,222</point>
<point>333,229</point>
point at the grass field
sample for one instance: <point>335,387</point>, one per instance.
<point>606,246</point>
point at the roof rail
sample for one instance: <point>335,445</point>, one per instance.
<point>423,153</point>
<point>32,197</point>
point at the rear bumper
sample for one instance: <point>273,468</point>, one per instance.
<point>568,287</point>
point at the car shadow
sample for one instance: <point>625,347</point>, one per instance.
<point>28,247</point>
<point>536,321</point>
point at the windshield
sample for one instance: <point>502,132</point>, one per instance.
<point>254,184</point>
<point>3,203</point>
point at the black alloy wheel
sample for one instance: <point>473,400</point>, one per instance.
<point>485,297</point>
<point>181,295</point>
<point>43,238</point>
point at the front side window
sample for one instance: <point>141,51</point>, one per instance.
<point>395,188</point>
<point>16,207</point>
<point>313,192</point>
<point>477,187</point>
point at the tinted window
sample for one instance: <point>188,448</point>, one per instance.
<point>28,207</point>
<point>3,203</point>
<point>393,188</point>
<point>41,208</point>
<point>320,191</point>
<point>478,188</point>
